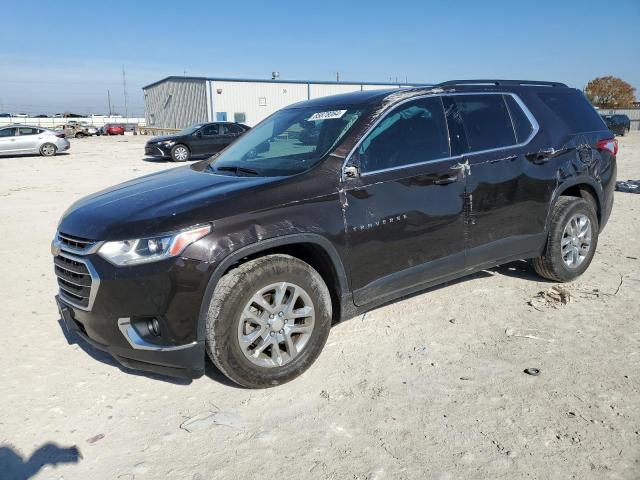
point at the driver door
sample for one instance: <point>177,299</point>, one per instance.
<point>404,211</point>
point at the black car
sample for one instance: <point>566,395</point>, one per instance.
<point>252,255</point>
<point>200,140</point>
<point>619,124</point>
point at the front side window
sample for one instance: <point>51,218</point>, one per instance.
<point>414,132</point>
<point>210,130</point>
<point>483,120</point>
<point>8,132</point>
<point>288,142</point>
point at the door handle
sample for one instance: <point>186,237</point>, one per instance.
<point>446,179</point>
<point>543,156</point>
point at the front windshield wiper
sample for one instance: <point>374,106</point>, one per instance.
<point>237,169</point>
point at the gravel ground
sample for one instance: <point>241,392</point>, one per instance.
<point>429,387</point>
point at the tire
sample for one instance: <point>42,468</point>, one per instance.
<point>79,135</point>
<point>226,322</point>
<point>553,264</point>
<point>180,153</point>
<point>48,150</point>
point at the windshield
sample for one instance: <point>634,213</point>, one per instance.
<point>288,142</point>
<point>190,130</point>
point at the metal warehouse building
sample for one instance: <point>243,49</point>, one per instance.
<point>177,102</point>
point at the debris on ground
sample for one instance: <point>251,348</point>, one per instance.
<point>208,419</point>
<point>527,333</point>
<point>628,186</point>
<point>95,438</point>
<point>532,371</point>
<point>552,297</point>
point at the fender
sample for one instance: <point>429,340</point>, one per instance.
<point>263,245</point>
<point>568,183</point>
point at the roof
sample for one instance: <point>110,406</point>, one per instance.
<point>263,80</point>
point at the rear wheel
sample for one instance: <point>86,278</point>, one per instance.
<point>180,153</point>
<point>268,320</point>
<point>572,240</point>
<point>48,150</point>
<point>79,135</point>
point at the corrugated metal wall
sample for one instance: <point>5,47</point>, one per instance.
<point>255,100</point>
<point>176,103</point>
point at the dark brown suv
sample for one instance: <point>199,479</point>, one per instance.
<point>252,255</point>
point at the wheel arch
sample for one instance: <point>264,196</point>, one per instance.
<point>313,249</point>
<point>580,187</point>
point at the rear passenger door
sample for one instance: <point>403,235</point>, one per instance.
<point>404,211</point>
<point>28,139</point>
<point>507,195</point>
<point>229,132</point>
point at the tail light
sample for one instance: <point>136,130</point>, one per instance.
<point>61,135</point>
<point>610,144</point>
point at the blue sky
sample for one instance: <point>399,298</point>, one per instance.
<point>56,56</point>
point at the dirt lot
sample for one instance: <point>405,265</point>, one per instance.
<point>429,387</point>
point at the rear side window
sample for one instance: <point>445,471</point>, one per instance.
<point>521,123</point>
<point>414,132</point>
<point>28,131</point>
<point>483,119</point>
<point>574,109</point>
<point>210,130</point>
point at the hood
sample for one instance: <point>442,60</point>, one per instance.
<point>163,138</point>
<point>156,203</point>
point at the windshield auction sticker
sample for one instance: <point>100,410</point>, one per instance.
<point>326,115</point>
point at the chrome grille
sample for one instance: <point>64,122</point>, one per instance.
<point>75,244</point>
<point>77,280</point>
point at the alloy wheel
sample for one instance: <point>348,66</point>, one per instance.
<point>276,324</point>
<point>181,153</point>
<point>48,150</point>
<point>576,240</point>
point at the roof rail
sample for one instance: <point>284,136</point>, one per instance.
<point>500,82</point>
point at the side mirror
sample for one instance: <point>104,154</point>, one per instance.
<point>199,134</point>
<point>263,147</point>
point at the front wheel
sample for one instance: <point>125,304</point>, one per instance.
<point>48,150</point>
<point>268,320</point>
<point>79,135</point>
<point>571,242</point>
<point>180,153</point>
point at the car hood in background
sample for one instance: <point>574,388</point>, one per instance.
<point>156,203</point>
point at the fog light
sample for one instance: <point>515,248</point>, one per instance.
<point>154,327</point>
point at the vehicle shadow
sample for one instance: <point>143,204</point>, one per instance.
<point>156,160</point>
<point>27,155</point>
<point>104,357</point>
<point>14,466</point>
<point>521,269</point>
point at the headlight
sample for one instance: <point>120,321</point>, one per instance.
<point>151,249</point>
<point>167,143</point>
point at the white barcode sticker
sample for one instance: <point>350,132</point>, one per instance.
<point>326,115</point>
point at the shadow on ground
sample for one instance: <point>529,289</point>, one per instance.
<point>14,467</point>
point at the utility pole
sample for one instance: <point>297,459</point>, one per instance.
<point>124,88</point>
<point>109,100</point>
<point>337,76</point>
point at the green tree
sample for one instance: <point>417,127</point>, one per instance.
<point>610,92</point>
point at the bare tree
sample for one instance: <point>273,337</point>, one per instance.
<point>610,92</point>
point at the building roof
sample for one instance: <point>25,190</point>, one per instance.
<point>263,80</point>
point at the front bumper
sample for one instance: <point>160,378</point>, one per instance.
<point>156,150</point>
<point>184,362</point>
<point>125,300</point>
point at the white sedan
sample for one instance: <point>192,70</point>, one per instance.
<point>22,139</point>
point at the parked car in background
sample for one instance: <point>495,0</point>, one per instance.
<point>619,124</point>
<point>252,255</point>
<point>73,130</point>
<point>114,129</point>
<point>21,139</point>
<point>20,115</point>
<point>42,115</point>
<point>5,115</point>
<point>89,129</point>
<point>200,140</point>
